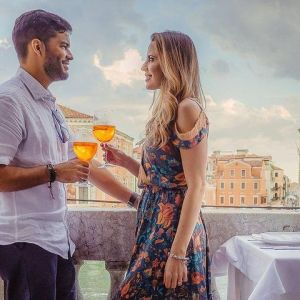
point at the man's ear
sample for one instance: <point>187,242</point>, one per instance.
<point>38,47</point>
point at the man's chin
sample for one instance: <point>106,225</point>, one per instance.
<point>61,76</point>
<point>64,76</point>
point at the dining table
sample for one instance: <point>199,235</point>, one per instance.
<point>258,270</point>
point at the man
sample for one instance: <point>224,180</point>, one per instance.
<point>35,248</point>
<point>35,152</point>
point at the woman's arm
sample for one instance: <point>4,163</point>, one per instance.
<point>194,165</point>
<point>119,158</point>
<point>106,182</point>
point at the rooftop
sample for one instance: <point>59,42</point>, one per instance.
<point>73,114</point>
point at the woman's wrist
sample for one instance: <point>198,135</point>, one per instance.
<point>125,162</point>
<point>178,257</point>
<point>179,251</point>
<point>133,200</point>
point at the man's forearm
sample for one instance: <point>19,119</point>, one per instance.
<point>105,181</point>
<point>16,178</point>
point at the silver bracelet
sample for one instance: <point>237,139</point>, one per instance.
<point>182,258</point>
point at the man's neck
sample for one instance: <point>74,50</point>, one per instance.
<point>39,75</point>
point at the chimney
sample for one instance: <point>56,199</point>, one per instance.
<point>217,153</point>
<point>242,151</point>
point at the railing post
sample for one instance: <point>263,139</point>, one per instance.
<point>214,289</point>
<point>116,270</point>
<point>2,289</point>
<point>77,264</point>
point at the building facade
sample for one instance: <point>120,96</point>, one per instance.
<point>244,179</point>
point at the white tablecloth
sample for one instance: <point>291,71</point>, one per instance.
<point>255,273</point>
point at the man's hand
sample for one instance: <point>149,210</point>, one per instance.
<point>72,171</point>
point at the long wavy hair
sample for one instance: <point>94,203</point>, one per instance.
<point>179,64</point>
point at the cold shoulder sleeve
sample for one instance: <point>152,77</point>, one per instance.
<point>193,137</point>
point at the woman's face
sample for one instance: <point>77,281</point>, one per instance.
<point>151,67</point>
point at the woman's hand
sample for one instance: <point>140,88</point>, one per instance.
<point>114,156</point>
<point>175,273</point>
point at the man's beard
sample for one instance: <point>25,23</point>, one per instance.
<point>53,69</point>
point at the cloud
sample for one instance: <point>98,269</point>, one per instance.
<point>124,71</point>
<point>4,43</point>
<point>264,130</point>
<point>210,102</point>
<point>220,67</point>
<point>267,31</point>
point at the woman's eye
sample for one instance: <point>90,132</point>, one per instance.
<point>151,58</point>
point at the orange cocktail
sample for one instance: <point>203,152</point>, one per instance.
<point>85,150</point>
<point>104,133</point>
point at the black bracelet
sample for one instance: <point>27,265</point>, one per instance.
<point>132,200</point>
<point>52,173</point>
<point>52,177</point>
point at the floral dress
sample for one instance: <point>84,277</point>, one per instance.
<point>164,186</point>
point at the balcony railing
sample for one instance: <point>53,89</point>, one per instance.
<point>108,234</point>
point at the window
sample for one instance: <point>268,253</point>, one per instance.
<point>242,200</point>
<point>232,185</point>
<point>255,185</point>
<point>222,199</point>
<point>243,172</point>
<point>222,185</point>
<point>263,200</point>
<point>255,200</point>
<point>231,173</point>
<point>231,199</point>
<point>243,185</point>
<point>83,193</point>
<point>276,174</point>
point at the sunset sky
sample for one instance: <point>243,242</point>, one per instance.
<point>249,65</point>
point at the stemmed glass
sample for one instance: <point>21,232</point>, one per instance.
<point>103,129</point>
<point>84,147</point>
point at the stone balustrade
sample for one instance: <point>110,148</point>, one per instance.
<point>108,234</point>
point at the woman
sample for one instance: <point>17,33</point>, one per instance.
<point>170,257</point>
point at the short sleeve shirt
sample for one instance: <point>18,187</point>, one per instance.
<point>28,138</point>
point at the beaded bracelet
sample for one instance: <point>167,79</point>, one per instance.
<point>182,258</point>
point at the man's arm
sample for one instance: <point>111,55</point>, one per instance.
<point>12,132</point>
<point>17,178</point>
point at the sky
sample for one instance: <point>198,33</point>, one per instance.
<point>249,65</point>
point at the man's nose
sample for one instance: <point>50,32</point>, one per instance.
<point>70,55</point>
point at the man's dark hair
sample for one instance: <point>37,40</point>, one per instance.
<point>37,24</point>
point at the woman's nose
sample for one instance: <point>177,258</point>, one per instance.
<point>144,66</point>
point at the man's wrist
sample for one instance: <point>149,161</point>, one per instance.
<point>51,173</point>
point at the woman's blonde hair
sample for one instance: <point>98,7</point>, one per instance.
<point>179,64</point>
